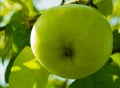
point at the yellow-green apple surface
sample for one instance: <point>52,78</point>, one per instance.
<point>72,41</point>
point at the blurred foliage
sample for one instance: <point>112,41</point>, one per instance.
<point>16,20</point>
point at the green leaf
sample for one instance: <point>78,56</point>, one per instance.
<point>27,7</point>
<point>26,72</point>
<point>104,6</point>
<point>20,40</point>
<point>13,27</point>
<point>32,11</point>
<point>107,77</point>
<point>5,45</point>
<point>116,58</point>
<point>116,62</point>
<point>103,78</point>
<point>19,35</point>
<point>20,16</point>
<point>83,83</point>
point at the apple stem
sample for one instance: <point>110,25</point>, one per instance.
<point>90,2</point>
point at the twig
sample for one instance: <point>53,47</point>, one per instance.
<point>65,83</point>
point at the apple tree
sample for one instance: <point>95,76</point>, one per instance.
<point>60,44</point>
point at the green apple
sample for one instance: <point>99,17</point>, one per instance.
<point>72,41</point>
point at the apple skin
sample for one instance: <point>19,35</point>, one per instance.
<point>72,41</point>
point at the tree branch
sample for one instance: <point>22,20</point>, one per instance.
<point>72,2</point>
<point>63,1</point>
<point>2,28</point>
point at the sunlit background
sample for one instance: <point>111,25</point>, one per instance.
<point>8,8</point>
